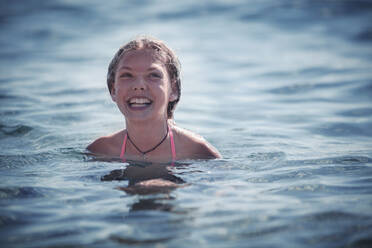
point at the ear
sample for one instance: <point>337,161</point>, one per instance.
<point>174,94</point>
<point>113,92</point>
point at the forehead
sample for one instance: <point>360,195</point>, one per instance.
<point>141,58</point>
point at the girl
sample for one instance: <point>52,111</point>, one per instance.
<point>144,81</point>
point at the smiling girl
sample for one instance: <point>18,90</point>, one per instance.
<point>144,81</point>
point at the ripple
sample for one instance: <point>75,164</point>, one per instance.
<point>10,113</point>
<point>23,192</point>
<point>17,130</point>
<point>315,189</point>
<point>276,74</point>
<point>7,96</point>
<point>133,241</point>
<point>343,228</point>
<point>364,36</point>
<point>266,156</point>
<point>15,161</point>
<point>357,112</point>
<point>306,87</point>
<point>264,232</point>
<point>344,129</point>
<point>332,160</point>
<point>322,71</point>
<point>193,11</point>
<point>363,91</point>
<point>70,92</point>
<point>362,242</point>
<point>332,215</point>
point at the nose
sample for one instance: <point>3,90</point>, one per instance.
<point>139,84</point>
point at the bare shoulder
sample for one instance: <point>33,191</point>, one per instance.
<point>193,146</point>
<point>107,145</point>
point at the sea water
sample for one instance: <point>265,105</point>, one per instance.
<point>282,88</point>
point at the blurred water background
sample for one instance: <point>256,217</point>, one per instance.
<point>282,88</point>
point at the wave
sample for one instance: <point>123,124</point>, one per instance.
<point>17,130</point>
<point>23,192</point>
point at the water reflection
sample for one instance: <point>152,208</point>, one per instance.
<point>153,204</point>
<point>148,179</point>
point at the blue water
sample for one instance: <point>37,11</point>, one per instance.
<point>282,88</point>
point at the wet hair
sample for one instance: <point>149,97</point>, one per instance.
<point>163,52</point>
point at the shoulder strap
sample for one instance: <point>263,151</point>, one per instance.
<point>173,147</point>
<point>123,147</point>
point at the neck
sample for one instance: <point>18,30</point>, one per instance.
<point>146,134</point>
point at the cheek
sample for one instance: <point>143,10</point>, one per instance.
<point>166,91</point>
<point>119,87</point>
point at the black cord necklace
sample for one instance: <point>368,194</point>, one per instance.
<point>150,150</point>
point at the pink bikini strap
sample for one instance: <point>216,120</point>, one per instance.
<point>173,147</point>
<point>123,148</point>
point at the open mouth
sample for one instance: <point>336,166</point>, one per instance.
<point>139,102</point>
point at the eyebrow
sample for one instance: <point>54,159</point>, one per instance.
<point>152,68</point>
<point>125,67</point>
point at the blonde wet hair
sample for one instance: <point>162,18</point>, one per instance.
<point>163,52</point>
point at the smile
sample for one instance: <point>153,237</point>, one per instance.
<point>139,102</point>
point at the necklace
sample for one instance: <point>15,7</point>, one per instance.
<point>150,150</point>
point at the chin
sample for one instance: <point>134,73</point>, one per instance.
<point>145,117</point>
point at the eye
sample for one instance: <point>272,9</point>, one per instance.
<point>155,75</point>
<point>126,75</point>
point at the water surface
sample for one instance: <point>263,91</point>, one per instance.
<point>282,89</point>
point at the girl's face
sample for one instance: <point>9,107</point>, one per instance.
<point>142,87</point>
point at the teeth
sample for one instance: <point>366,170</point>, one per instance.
<point>139,101</point>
